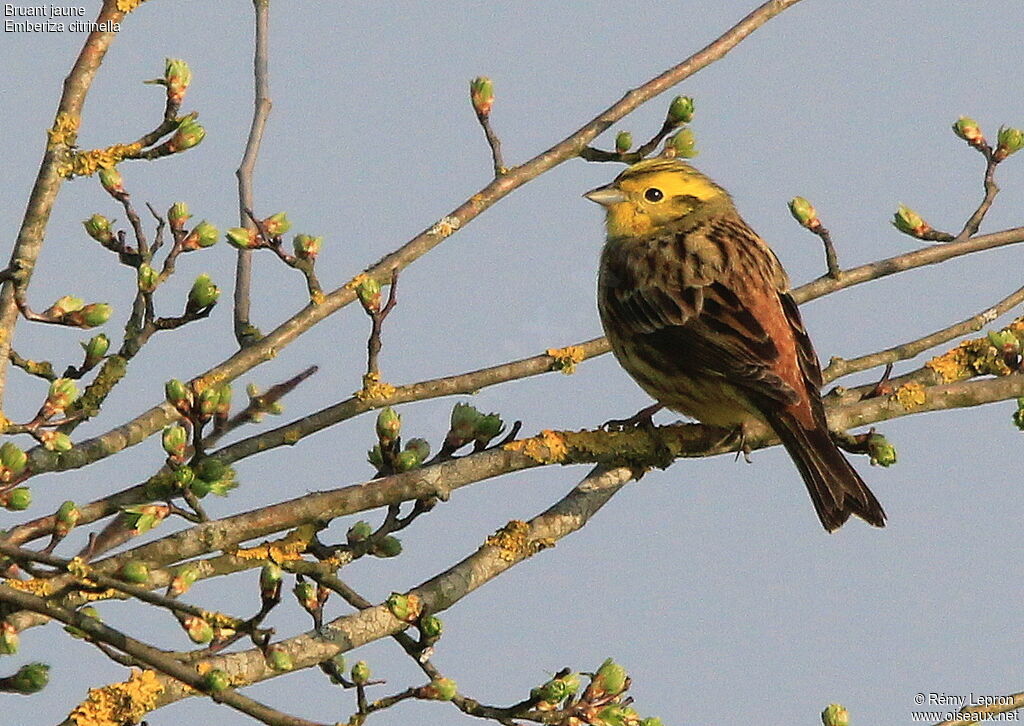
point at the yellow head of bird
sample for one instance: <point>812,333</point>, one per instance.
<point>653,193</point>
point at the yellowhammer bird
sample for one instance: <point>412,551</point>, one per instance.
<point>697,310</point>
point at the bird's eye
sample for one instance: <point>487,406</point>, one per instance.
<point>654,195</point>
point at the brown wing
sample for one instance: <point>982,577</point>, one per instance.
<point>681,293</point>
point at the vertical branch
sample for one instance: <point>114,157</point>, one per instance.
<point>261,110</point>
<point>48,180</point>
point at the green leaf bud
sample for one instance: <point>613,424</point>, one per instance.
<point>421,447</point>
<point>177,77</point>
<point>199,631</point>
<point>12,459</point>
<point>278,659</point>
<point>178,215</point>
<point>361,673</point>
<point>680,111</point>
<point>65,305</point>
<point>359,532</point>
<point>30,678</point>
<point>683,144</point>
<point>376,457</point>
<point>18,500</point>
<point>270,580</point>
<point>10,641</point>
<point>215,680</point>
<point>175,441</point>
<point>306,246</point>
<point>623,142</point>
<point>464,421</point>
<point>277,224</point>
<point>432,627</point>
<point>305,593</point>
<point>908,221</point>
<point>387,547</point>
<point>242,238</point>
<point>92,315</point>
<point>66,518</point>
<point>804,213</point>
<point>135,571</point>
<point>190,133</point>
<point>203,294</point>
<point>57,441</point>
<point>368,292</point>
<point>1010,141</point>
<point>202,235</point>
<point>111,180</point>
<point>835,715</point>
<point>147,277</point>
<point>968,130</point>
<point>98,227</point>
<point>182,581</point>
<point>487,427</point>
<point>389,426</point>
<point>405,607</point>
<point>95,348</point>
<point>610,678</point>
<point>440,689</point>
<point>481,95</point>
<point>881,452</point>
<point>407,460</point>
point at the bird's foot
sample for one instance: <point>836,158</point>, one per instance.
<point>641,419</point>
<point>737,437</point>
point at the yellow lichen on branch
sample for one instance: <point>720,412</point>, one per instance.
<point>566,359</point>
<point>513,541</point>
<point>374,389</point>
<point>64,131</point>
<point>289,547</point>
<point>34,586</point>
<point>119,703</point>
<point>978,356</point>
<point>126,6</point>
<point>911,395</point>
<point>87,163</point>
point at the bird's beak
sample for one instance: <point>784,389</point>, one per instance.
<point>606,196</point>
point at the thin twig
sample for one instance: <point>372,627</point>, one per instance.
<point>839,367</point>
<point>261,111</point>
<point>973,224</point>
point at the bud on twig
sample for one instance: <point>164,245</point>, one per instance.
<point>202,235</point>
<point>623,142</point>
<point>95,348</point>
<point>835,715</point>
<point>203,294</point>
<point>111,180</point>
<point>680,111</point>
<point>190,133</point>
<point>908,221</point>
<point>177,76</point>
<point>12,462</point>
<point>804,213</point>
<point>306,246</point>
<point>368,292</point>
<point>481,94</point>
<point>147,278</point>
<point>242,238</point>
<point>98,227</point>
<point>276,224</point>
<point>178,215</point>
<point>968,130</point>
<point>683,144</point>
<point>1010,141</point>
<point>18,500</point>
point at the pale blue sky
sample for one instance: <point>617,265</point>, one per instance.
<point>712,582</point>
